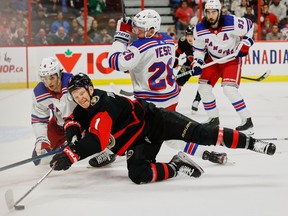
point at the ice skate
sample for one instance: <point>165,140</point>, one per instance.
<point>186,165</point>
<point>213,122</point>
<point>102,159</point>
<point>264,147</point>
<point>246,127</point>
<point>195,105</point>
<point>215,157</point>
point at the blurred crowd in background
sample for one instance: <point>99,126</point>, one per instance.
<point>53,22</point>
<point>273,15</point>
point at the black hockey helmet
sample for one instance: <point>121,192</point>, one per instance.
<point>189,30</point>
<point>78,81</point>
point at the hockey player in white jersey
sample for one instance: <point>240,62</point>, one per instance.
<point>150,59</point>
<point>50,106</point>
<point>221,35</point>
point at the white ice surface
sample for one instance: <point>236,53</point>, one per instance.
<point>256,185</point>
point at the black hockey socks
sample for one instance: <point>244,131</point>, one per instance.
<point>233,139</point>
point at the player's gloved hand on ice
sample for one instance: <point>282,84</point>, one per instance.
<point>42,146</point>
<point>196,67</point>
<point>123,30</point>
<point>64,159</point>
<point>243,47</point>
<point>71,129</point>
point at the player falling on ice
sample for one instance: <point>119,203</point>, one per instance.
<point>138,129</point>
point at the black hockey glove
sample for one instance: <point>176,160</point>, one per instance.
<point>182,80</point>
<point>71,129</point>
<point>64,159</point>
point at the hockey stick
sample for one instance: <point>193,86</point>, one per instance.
<point>31,159</point>
<point>54,151</point>
<point>274,138</point>
<point>9,197</point>
<point>262,77</point>
<point>221,60</point>
<point>129,94</point>
<point>123,10</point>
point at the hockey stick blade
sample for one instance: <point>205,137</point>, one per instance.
<point>262,77</point>
<point>30,160</point>
<point>126,93</point>
<point>117,90</point>
<point>9,198</point>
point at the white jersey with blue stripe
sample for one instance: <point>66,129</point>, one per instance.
<point>150,63</point>
<point>45,103</point>
<point>222,41</point>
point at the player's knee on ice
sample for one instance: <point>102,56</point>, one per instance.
<point>139,171</point>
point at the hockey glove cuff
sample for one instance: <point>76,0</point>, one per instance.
<point>244,46</point>
<point>71,129</point>
<point>64,159</point>
<point>42,146</point>
<point>122,37</point>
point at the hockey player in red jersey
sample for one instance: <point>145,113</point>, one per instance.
<point>139,129</point>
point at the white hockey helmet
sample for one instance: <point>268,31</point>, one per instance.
<point>213,4</point>
<point>49,66</point>
<point>147,19</point>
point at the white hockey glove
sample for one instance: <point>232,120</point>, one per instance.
<point>123,30</point>
<point>42,146</point>
<point>243,47</point>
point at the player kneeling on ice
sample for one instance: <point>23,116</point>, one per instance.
<point>139,129</point>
